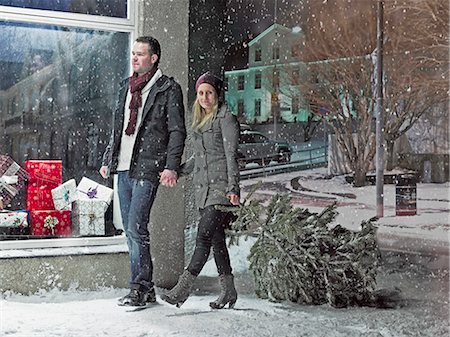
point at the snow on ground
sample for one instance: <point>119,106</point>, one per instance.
<point>425,311</point>
<point>357,204</point>
<point>91,314</point>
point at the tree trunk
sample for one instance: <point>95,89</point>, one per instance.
<point>359,178</point>
<point>389,155</point>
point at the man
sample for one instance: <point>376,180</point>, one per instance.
<point>145,149</point>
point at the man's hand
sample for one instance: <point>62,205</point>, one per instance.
<point>168,178</point>
<point>104,172</point>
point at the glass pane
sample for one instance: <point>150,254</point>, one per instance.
<point>112,8</point>
<point>57,92</point>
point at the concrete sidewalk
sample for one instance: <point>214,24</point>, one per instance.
<point>424,234</point>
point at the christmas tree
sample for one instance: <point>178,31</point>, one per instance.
<point>303,257</point>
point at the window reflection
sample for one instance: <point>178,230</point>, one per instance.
<point>111,8</point>
<point>56,79</point>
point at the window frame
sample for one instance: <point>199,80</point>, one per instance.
<point>57,18</point>
<point>241,83</point>
<point>258,79</point>
<point>76,20</point>
<point>258,54</point>
<point>276,52</point>
<point>257,107</point>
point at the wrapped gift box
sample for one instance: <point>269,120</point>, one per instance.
<point>14,223</point>
<point>91,190</point>
<point>45,174</point>
<point>64,195</point>
<point>88,217</point>
<point>50,222</point>
<point>12,179</point>
<point>39,198</point>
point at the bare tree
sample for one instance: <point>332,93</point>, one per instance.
<point>416,65</point>
<point>341,40</point>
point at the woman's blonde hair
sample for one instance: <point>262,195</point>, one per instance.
<point>200,118</point>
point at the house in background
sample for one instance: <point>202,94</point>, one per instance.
<point>266,91</point>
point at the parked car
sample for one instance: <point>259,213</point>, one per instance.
<point>255,147</point>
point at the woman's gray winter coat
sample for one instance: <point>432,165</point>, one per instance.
<point>214,162</point>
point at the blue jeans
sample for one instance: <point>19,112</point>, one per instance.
<point>136,198</point>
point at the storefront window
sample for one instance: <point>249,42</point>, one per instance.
<point>57,94</point>
<point>111,8</point>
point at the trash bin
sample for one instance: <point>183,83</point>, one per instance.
<point>406,195</point>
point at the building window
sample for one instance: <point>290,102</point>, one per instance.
<point>258,54</point>
<point>258,80</point>
<point>257,107</point>
<point>65,73</point>
<point>241,82</point>
<point>295,76</point>
<point>240,105</point>
<point>295,105</point>
<point>276,53</point>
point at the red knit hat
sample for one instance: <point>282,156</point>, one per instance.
<point>210,79</point>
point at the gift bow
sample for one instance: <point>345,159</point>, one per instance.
<point>7,181</point>
<point>92,218</point>
<point>66,195</point>
<point>50,222</point>
<point>91,192</point>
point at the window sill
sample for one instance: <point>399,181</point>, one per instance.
<point>63,246</point>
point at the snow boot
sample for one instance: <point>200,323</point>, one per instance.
<point>179,294</point>
<point>138,298</point>
<point>228,294</point>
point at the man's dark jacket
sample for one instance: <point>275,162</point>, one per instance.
<point>160,136</point>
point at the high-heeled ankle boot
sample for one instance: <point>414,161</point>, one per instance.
<point>179,294</point>
<point>228,294</point>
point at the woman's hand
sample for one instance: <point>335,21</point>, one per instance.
<point>234,199</point>
<point>104,172</point>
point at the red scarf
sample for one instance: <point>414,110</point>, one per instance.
<point>137,83</point>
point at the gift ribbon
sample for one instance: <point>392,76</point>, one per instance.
<point>15,170</point>
<point>91,192</point>
<point>50,222</point>
<point>66,195</point>
<point>92,218</point>
<point>6,182</point>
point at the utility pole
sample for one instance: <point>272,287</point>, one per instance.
<point>275,94</point>
<point>379,137</point>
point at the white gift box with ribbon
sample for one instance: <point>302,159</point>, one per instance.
<point>64,195</point>
<point>89,189</point>
<point>88,217</point>
<point>13,219</point>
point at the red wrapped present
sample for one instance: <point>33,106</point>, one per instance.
<point>39,198</point>
<point>54,223</point>
<point>46,174</point>
<point>12,179</point>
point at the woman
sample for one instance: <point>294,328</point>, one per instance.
<point>216,180</point>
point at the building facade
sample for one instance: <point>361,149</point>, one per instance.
<point>267,90</point>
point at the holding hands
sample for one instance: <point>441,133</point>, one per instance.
<point>168,178</point>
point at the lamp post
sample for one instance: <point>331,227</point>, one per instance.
<point>379,136</point>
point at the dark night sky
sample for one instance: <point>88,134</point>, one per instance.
<point>248,18</point>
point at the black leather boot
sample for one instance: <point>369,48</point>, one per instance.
<point>179,294</point>
<point>228,294</point>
